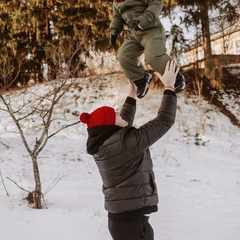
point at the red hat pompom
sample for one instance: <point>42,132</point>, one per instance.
<point>84,117</point>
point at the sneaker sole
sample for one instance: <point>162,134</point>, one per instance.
<point>181,87</point>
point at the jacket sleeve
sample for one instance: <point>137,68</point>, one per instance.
<point>128,110</point>
<point>117,23</point>
<point>137,140</point>
<point>152,12</point>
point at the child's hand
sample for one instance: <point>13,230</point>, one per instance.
<point>169,77</point>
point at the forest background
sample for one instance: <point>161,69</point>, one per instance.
<point>38,34</point>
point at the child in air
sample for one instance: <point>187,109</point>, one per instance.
<point>146,35</point>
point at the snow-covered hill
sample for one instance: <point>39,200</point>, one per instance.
<point>197,166</point>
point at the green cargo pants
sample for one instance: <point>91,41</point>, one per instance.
<point>152,43</point>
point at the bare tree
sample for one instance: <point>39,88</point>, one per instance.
<point>38,107</point>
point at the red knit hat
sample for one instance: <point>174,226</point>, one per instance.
<point>101,116</point>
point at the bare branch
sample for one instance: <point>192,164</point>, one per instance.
<point>3,183</point>
<point>64,127</point>
<point>17,124</point>
<point>5,145</point>
<point>18,185</point>
<point>6,70</point>
<point>54,183</point>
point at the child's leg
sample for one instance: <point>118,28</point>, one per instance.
<point>128,55</point>
<point>155,50</point>
<point>155,54</point>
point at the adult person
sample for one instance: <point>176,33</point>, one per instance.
<point>122,155</point>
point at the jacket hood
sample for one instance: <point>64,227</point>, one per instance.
<point>97,136</point>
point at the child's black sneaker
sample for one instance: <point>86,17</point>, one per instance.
<point>180,83</point>
<point>143,85</point>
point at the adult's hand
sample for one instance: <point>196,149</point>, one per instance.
<point>132,92</point>
<point>169,77</point>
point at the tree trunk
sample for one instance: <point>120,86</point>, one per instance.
<point>206,38</point>
<point>37,194</point>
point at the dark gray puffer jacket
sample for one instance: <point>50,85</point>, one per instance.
<point>123,157</point>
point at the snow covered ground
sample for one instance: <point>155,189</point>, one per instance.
<point>197,166</point>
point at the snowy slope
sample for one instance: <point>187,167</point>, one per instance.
<point>197,166</point>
